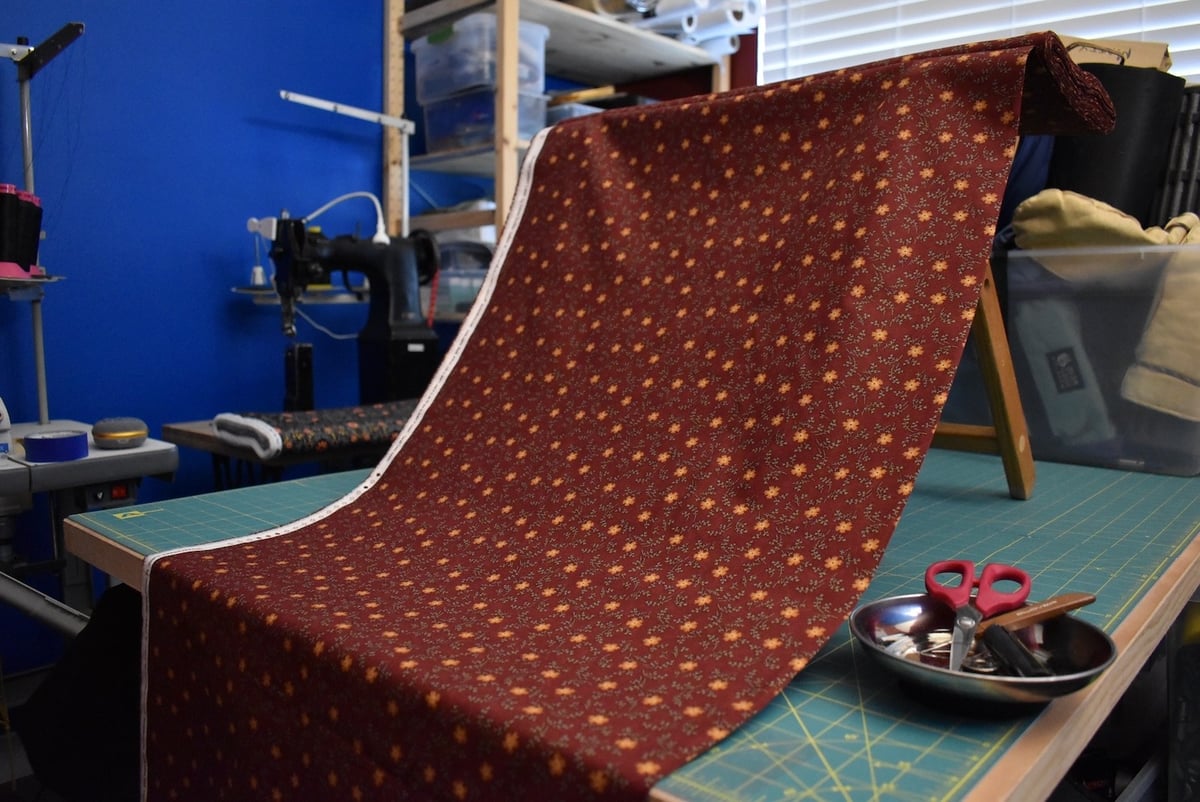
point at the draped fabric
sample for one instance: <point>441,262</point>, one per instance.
<point>655,472</point>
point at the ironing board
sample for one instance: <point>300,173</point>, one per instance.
<point>658,466</point>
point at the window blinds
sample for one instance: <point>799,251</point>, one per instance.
<point>804,37</point>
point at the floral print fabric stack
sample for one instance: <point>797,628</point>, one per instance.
<point>653,476</point>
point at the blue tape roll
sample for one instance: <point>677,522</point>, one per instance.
<point>56,446</point>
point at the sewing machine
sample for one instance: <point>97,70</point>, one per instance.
<point>398,351</point>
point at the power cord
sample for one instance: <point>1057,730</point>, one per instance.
<point>300,313</point>
<point>381,235</point>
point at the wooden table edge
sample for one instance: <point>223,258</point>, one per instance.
<point>120,562</point>
<point>1033,766</point>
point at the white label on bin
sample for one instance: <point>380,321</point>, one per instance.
<point>1064,367</point>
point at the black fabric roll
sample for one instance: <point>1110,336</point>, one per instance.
<point>1123,168</point>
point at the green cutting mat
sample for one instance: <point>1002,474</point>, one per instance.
<point>843,729</point>
<point>196,520</point>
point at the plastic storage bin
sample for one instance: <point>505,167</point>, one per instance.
<point>469,118</point>
<point>463,56</point>
<point>567,111</point>
<point>1107,354</point>
<point>485,235</point>
<point>465,255</point>
<point>456,292</point>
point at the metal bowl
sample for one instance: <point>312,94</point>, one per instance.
<point>910,635</point>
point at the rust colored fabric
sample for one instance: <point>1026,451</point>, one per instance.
<point>653,476</point>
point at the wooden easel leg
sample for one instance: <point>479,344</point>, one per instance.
<point>1009,434</point>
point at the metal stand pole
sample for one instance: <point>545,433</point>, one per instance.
<point>39,342</point>
<point>27,133</point>
<point>29,60</point>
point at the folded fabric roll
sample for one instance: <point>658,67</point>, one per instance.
<point>1166,373</point>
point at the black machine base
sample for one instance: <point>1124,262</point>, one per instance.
<point>399,368</point>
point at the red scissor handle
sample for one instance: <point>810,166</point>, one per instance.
<point>990,600</point>
<point>954,595</point>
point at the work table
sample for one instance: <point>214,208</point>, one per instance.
<point>844,727</point>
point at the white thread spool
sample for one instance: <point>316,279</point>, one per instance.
<point>721,45</point>
<point>729,19</point>
<point>667,14</point>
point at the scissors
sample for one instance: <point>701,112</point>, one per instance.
<point>970,611</point>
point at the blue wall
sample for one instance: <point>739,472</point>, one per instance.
<point>156,135</point>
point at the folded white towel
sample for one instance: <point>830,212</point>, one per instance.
<point>258,435</point>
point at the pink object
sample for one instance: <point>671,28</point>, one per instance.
<point>20,233</point>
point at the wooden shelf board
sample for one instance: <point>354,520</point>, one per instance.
<point>447,221</point>
<point>477,160</point>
